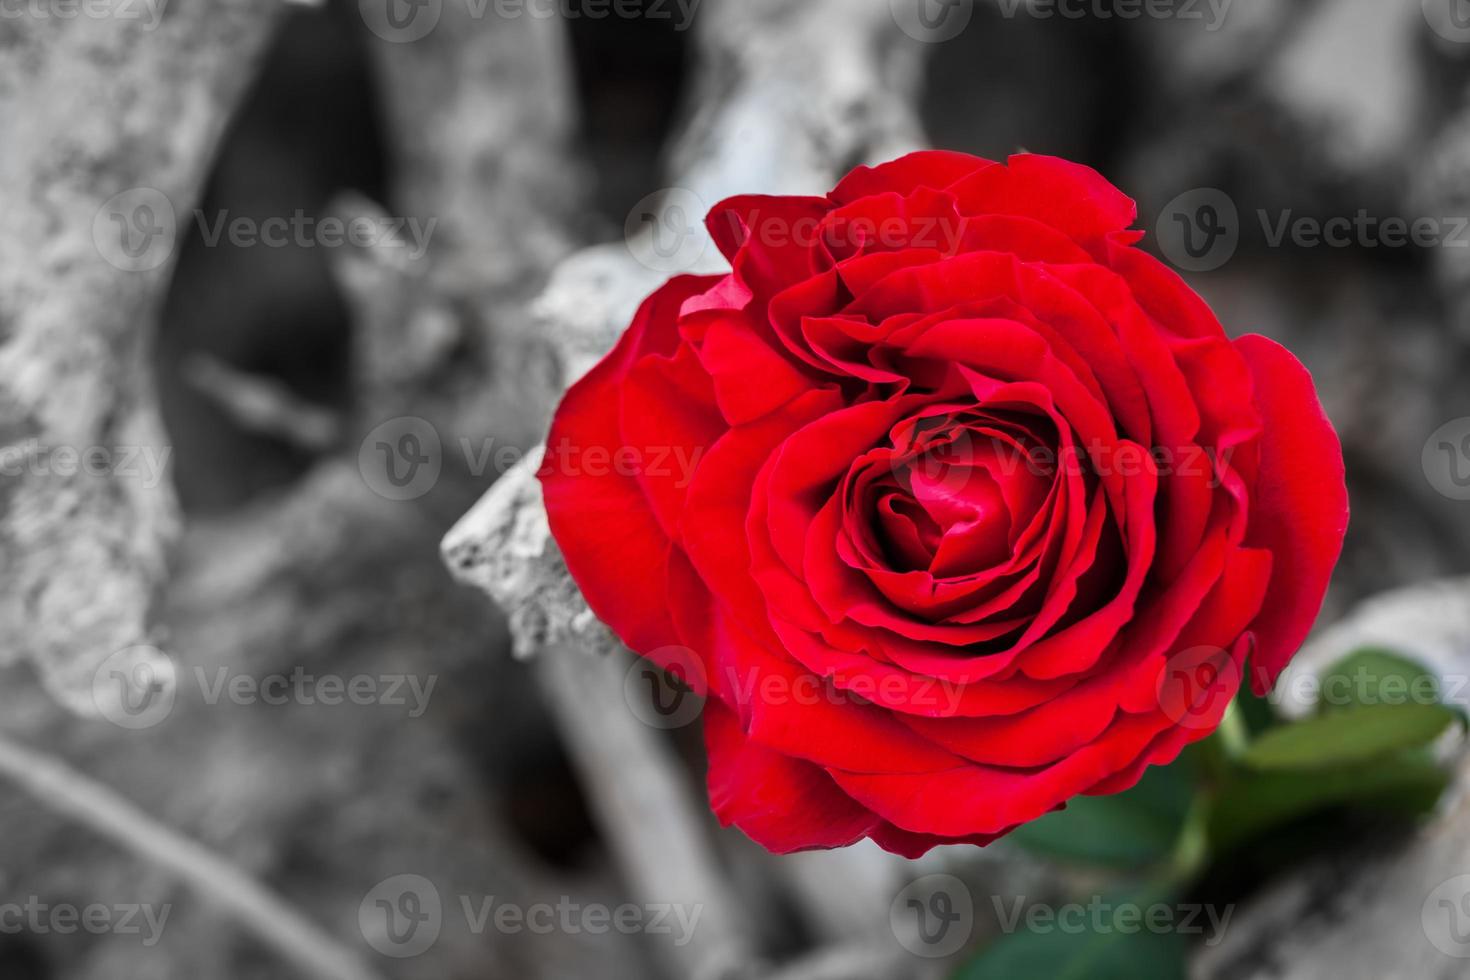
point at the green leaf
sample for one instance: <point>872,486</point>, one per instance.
<point>1251,803</point>
<point>1130,829</point>
<point>1374,675</point>
<point>1119,951</point>
<point>1347,736</point>
<point>1255,712</point>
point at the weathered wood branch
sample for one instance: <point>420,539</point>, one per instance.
<point>110,126</point>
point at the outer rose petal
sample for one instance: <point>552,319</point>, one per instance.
<point>781,803</point>
<point>608,533</point>
<point>925,168</point>
<point>1300,508</point>
<point>1072,198</point>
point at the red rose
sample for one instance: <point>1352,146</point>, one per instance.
<point>963,504</point>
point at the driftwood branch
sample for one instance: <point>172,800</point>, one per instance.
<point>70,794</point>
<point>110,127</point>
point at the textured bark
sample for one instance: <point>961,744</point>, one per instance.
<point>328,576</point>
<point>94,108</point>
